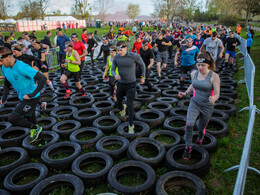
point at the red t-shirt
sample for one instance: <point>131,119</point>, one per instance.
<point>84,38</point>
<point>176,34</point>
<point>79,47</point>
<point>138,45</point>
<point>127,32</point>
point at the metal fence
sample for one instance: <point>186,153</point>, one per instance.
<point>249,69</point>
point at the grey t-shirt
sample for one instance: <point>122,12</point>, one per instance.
<point>212,47</point>
<point>126,66</point>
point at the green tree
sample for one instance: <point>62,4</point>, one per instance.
<point>4,6</point>
<point>133,10</point>
<point>30,10</point>
<point>81,7</point>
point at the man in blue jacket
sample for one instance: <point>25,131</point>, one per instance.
<point>249,42</point>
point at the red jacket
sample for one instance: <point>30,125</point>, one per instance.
<point>127,32</point>
<point>138,45</point>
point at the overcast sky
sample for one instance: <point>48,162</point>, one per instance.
<point>65,5</point>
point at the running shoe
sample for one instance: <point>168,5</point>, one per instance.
<point>43,105</point>
<point>199,142</point>
<point>187,153</point>
<point>83,95</point>
<point>34,133</point>
<point>131,129</point>
<point>67,95</point>
<point>123,112</point>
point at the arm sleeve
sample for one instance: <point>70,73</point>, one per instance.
<point>95,42</point>
<point>7,86</point>
<point>238,42</point>
<point>131,33</point>
<point>32,58</point>
<point>41,80</point>
<point>100,51</point>
<point>113,68</point>
<point>140,62</point>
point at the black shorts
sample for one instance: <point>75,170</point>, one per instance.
<point>75,74</point>
<point>185,69</point>
<point>40,67</point>
<point>26,108</point>
<point>82,65</point>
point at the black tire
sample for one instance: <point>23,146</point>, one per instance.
<point>50,106</point>
<point>104,106</point>
<point>46,122</point>
<point>210,143</point>
<point>60,164</point>
<point>170,183</point>
<point>220,115</point>
<point>229,92</point>
<point>63,112</point>
<point>225,100</point>
<point>47,97</point>
<point>62,91</point>
<point>86,132</point>
<point>149,145</point>
<point>65,128</point>
<point>184,103</point>
<point>107,124</point>
<point>16,134</point>
<point>47,185</point>
<point>175,136</point>
<point>170,93</point>
<point>199,168</point>
<point>141,130</point>
<point>4,192</point>
<point>163,86</point>
<point>18,173</point>
<point>178,111</point>
<point>4,113</point>
<point>87,116</point>
<point>110,141</point>
<point>168,82</point>
<point>12,101</point>
<point>100,96</point>
<point>62,101</point>
<point>145,98</point>
<point>91,89</point>
<point>154,118</point>
<point>161,106</point>
<point>155,91</point>
<point>82,102</point>
<point>217,128</point>
<point>46,136</point>
<point>88,159</point>
<point>175,124</point>
<point>131,167</point>
<point>21,157</point>
<point>137,105</point>
<point>230,109</point>
<point>4,125</point>
<point>171,100</point>
<point>115,113</point>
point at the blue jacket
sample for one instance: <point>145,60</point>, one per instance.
<point>249,40</point>
<point>61,43</point>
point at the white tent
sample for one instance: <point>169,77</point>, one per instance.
<point>52,18</point>
<point>9,21</point>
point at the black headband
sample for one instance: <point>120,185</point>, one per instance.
<point>73,36</point>
<point>5,55</point>
<point>203,60</point>
<point>15,48</point>
<point>121,46</point>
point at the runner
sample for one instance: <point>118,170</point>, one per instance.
<point>84,36</point>
<point>22,78</point>
<point>138,45</point>
<point>162,56</point>
<point>212,44</point>
<point>121,37</point>
<point>105,49</point>
<point>206,90</point>
<point>148,57</point>
<point>49,57</point>
<point>198,41</point>
<point>92,44</point>
<point>12,36</point>
<point>74,62</point>
<point>61,40</point>
<point>177,37</point>
<point>107,72</point>
<point>110,35</point>
<point>154,35</point>
<point>238,29</point>
<point>170,39</point>
<point>188,53</point>
<point>8,42</point>
<point>232,42</point>
<point>40,52</point>
<point>96,37</point>
<point>126,63</point>
<point>80,48</point>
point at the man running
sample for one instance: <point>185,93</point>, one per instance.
<point>22,77</point>
<point>126,63</point>
<point>84,36</point>
<point>80,48</point>
<point>177,37</point>
<point>105,49</point>
<point>162,56</point>
<point>92,44</point>
<point>188,53</point>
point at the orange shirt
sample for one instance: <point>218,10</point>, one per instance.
<point>238,29</point>
<point>210,32</point>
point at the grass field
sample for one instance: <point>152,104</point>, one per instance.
<point>229,148</point>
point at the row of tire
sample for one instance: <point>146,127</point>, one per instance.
<point>154,117</point>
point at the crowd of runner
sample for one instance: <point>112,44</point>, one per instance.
<point>196,49</point>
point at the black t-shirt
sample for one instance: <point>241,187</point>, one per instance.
<point>8,45</point>
<point>37,53</point>
<point>146,55</point>
<point>161,47</point>
<point>230,42</point>
<point>28,59</point>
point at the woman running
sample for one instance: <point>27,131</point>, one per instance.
<point>206,89</point>
<point>107,72</point>
<point>73,60</point>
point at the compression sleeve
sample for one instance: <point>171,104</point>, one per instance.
<point>7,86</point>
<point>41,80</point>
<point>140,62</point>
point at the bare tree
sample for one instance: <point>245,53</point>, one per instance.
<point>4,6</point>
<point>133,10</point>
<point>102,6</point>
<point>43,4</point>
<point>81,7</point>
<point>30,9</point>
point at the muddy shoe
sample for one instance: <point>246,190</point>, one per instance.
<point>123,112</point>
<point>131,129</point>
<point>187,153</point>
<point>34,133</point>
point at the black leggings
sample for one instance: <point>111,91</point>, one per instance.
<point>91,54</point>
<point>127,89</point>
<point>24,114</point>
<point>111,83</point>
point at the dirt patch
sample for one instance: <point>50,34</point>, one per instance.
<point>237,101</point>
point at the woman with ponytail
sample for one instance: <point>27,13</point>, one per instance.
<point>206,89</point>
